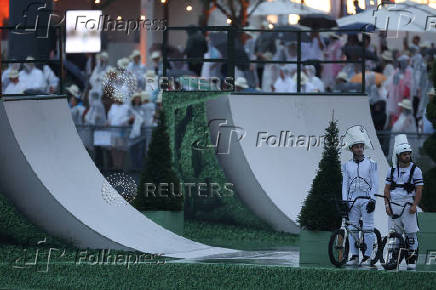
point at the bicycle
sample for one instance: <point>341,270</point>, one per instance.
<point>339,245</point>
<point>396,250</point>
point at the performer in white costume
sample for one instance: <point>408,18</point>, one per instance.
<point>404,183</point>
<point>359,179</point>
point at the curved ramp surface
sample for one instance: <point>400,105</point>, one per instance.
<point>270,145</point>
<point>51,179</point>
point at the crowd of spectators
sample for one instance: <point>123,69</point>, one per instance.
<point>120,103</point>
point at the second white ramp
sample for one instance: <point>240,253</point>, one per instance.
<point>272,175</point>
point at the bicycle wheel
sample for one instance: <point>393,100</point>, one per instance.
<point>377,248</point>
<point>392,251</point>
<point>338,248</point>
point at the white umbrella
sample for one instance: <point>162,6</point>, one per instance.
<point>405,16</point>
<point>284,7</point>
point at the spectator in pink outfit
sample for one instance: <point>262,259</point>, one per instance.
<point>332,52</point>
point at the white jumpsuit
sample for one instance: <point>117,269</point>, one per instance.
<point>360,179</point>
<point>407,223</point>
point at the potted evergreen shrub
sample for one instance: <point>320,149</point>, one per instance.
<point>318,216</point>
<point>160,196</point>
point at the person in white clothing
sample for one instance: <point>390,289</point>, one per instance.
<point>313,50</point>
<point>406,122</point>
<point>101,68</point>
<point>211,69</point>
<point>283,84</point>
<point>157,63</point>
<point>77,108</point>
<point>404,183</point>
<point>51,80</point>
<point>31,77</point>
<point>5,73</point>
<point>151,81</point>
<point>359,180</point>
<point>306,84</point>
<point>137,69</point>
<point>137,136</point>
<point>96,115</point>
<point>317,83</point>
<point>118,116</point>
<point>14,86</point>
<point>149,113</point>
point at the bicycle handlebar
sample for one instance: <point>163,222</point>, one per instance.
<point>395,216</point>
<point>349,201</point>
<point>392,202</point>
<point>362,197</point>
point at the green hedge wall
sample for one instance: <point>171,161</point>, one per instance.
<point>187,123</point>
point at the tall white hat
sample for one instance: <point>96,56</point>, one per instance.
<point>356,135</point>
<point>400,145</point>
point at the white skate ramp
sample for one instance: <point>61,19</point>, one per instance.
<point>272,167</point>
<point>49,176</point>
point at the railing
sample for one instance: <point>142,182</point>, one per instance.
<point>59,30</point>
<point>98,140</point>
<point>232,61</point>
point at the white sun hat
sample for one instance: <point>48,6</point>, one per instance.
<point>135,53</point>
<point>122,63</point>
<point>356,135</point>
<point>241,82</point>
<point>13,74</point>
<point>74,90</point>
<point>103,55</point>
<point>406,104</point>
<point>155,54</point>
<point>342,75</point>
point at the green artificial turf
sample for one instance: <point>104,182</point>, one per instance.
<point>209,276</point>
<point>237,237</point>
<point>15,229</point>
